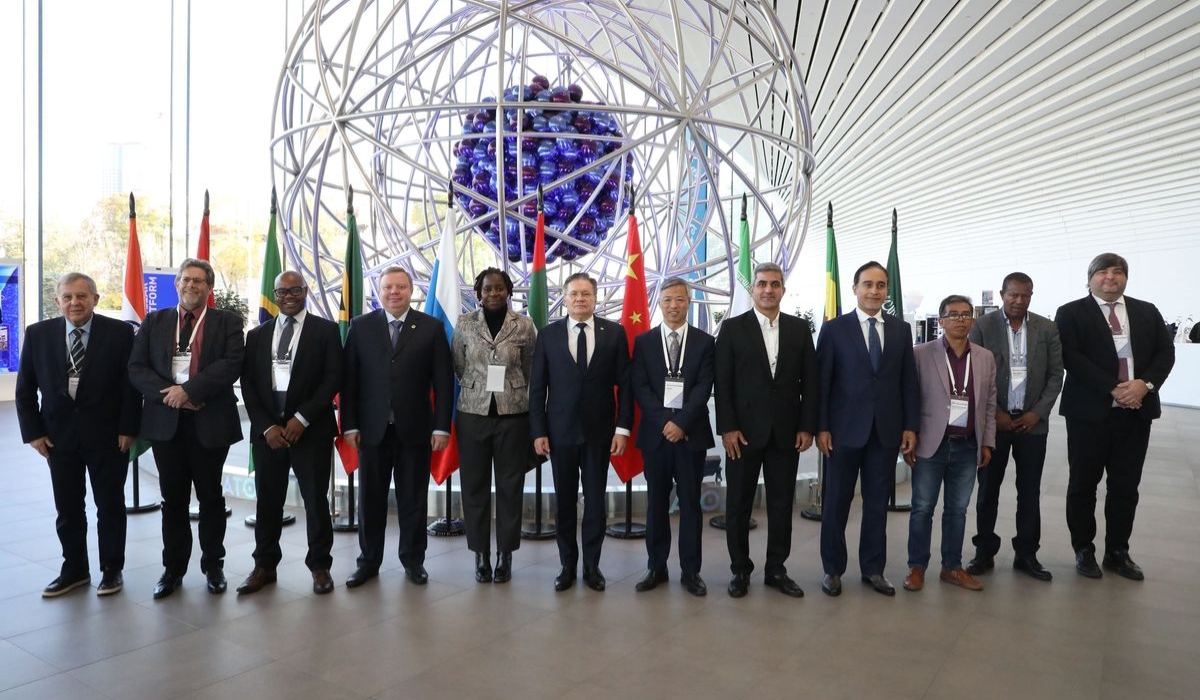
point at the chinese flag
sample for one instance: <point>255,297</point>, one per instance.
<point>635,319</point>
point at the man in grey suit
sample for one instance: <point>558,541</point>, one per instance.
<point>1029,377</point>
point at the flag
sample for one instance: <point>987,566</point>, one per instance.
<point>350,305</point>
<point>538,304</point>
<point>833,285</point>
<point>894,304</point>
<point>635,319</point>
<point>741,302</point>
<point>133,300</point>
<point>202,251</point>
<point>443,305</point>
<point>272,266</point>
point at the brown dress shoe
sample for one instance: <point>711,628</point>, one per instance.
<point>960,578</point>
<point>915,580</point>
<point>322,582</point>
<point>257,579</point>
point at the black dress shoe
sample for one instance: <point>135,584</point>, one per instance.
<point>565,579</point>
<point>111,582</point>
<point>1120,562</point>
<point>880,584</point>
<point>417,574</point>
<point>360,576</point>
<point>651,580</point>
<point>784,584</point>
<point>167,583</point>
<point>1085,564</point>
<point>981,565</point>
<point>66,584</point>
<point>1031,566</point>
<point>693,584</point>
<point>258,578</point>
<point>739,585</point>
<point>215,581</point>
<point>503,568</point>
<point>322,582</point>
<point>831,584</point>
<point>594,579</point>
<point>483,567</point>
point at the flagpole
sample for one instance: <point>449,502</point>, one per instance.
<point>895,505</point>
<point>348,523</point>
<point>137,506</point>
<point>816,490</point>
<point>537,530</point>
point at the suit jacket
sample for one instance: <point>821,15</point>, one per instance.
<point>1091,358</point>
<point>316,378</point>
<point>570,408</point>
<point>221,352</point>
<point>381,379</point>
<point>474,349</point>
<point>649,370</point>
<point>935,396</point>
<point>105,405</point>
<point>853,397</point>
<point>749,399</point>
<point>1043,362</point>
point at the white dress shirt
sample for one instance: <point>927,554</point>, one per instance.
<point>865,325</point>
<point>573,336</point>
<point>770,334</point>
<point>1122,318</point>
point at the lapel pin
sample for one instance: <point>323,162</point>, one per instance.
<point>413,326</point>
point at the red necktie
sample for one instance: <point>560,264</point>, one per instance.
<point>1115,324</point>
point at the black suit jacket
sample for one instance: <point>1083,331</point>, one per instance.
<point>221,352</point>
<point>1090,357</point>
<point>380,379</point>
<point>105,405</point>
<point>316,378</point>
<point>570,408</point>
<point>749,399</point>
<point>648,376</point>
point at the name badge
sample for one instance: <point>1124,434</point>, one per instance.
<point>181,365</point>
<point>495,378</point>
<point>1121,342</point>
<point>281,374</point>
<point>72,385</point>
<point>673,393</point>
<point>959,407</point>
<point>1019,375</point>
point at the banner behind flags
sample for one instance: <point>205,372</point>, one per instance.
<point>538,305</point>
<point>635,319</point>
<point>444,303</point>
<point>272,266</point>
<point>202,247</point>
<point>741,302</point>
<point>351,305</point>
<point>833,285</point>
<point>894,304</point>
<point>133,299</point>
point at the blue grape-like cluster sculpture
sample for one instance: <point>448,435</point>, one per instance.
<point>557,142</point>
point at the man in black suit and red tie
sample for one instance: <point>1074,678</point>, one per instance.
<point>578,362</point>
<point>84,425</point>
<point>185,362</point>
<point>292,370</point>
<point>1117,352</point>
<point>394,358</point>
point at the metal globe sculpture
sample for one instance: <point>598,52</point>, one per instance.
<point>698,103</point>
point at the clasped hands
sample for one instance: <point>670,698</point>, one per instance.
<point>176,397</point>
<point>1129,394</point>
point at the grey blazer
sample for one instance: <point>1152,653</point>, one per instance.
<point>474,349</point>
<point>935,397</point>
<point>1044,362</point>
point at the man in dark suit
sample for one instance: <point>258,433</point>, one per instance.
<point>870,412</point>
<point>86,421</point>
<point>766,415</point>
<point>185,362</point>
<point>577,363</point>
<point>394,358</point>
<point>1029,377</point>
<point>1117,352</point>
<point>292,370</point>
<point>672,378</point>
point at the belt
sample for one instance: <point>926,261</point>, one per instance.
<point>960,438</point>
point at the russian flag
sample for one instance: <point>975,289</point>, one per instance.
<point>444,302</point>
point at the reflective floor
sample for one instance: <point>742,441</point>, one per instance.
<point>1071,638</point>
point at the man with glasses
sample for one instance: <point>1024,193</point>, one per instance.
<point>185,361</point>
<point>292,370</point>
<point>578,362</point>
<point>1029,377</point>
<point>957,435</point>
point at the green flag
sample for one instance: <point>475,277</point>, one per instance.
<point>833,286</point>
<point>267,309</point>
<point>894,304</point>
<point>351,303</point>
<point>744,272</point>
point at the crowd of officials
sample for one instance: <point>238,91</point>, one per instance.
<point>958,409</point>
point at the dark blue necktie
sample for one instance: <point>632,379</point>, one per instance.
<point>874,347</point>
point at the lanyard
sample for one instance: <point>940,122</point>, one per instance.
<point>1018,342</point>
<point>673,371</point>
<point>195,329</point>
<point>966,376</point>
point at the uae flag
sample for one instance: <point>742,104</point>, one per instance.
<point>635,319</point>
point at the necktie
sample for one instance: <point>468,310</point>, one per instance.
<point>1115,324</point>
<point>283,352</point>
<point>396,332</point>
<point>185,333</point>
<point>673,351</point>
<point>581,347</point>
<point>874,346</point>
<point>77,351</point>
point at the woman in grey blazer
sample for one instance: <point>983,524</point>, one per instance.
<point>493,356</point>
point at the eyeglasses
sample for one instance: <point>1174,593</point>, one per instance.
<point>194,280</point>
<point>959,316</point>
<point>293,291</point>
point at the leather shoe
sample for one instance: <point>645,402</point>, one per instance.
<point>693,584</point>
<point>784,584</point>
<point>360,576</point>
<point>111,582</point>
<point>483,567</point>
<point>915,580</point>
<point>66,584</point>
<point>739,585</point>
<point>1031,566</point>
<point>960,578</point>
<point>981,565</point>
<point>565,579</point>
<point>417,574</point>
<point>831,585</point>
<point>503,568</point>
<point>880,584</point>
<point>322,582</point>
<point>215,581</point>
<point>1120,562</point>
<point>167,583</point>
<point>594,579</point>
<point>651,580</point>
<point>258,578</point>
<point>1085,564</point>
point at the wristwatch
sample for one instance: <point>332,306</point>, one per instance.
<point>1149,387</point>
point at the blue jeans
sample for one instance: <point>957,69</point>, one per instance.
<point>953,465</point>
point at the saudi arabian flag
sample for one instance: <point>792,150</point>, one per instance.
<point>539,306</point>
<point>833,285</point>
<point>272,266</point>
<point>894,304</point>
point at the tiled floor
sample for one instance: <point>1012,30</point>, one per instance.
<point>1072,638</point>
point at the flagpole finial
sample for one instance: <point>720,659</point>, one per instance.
<point>893,220</point>
<point>829,216</point>
<point>274,202</point>
<point>132,208</point>
<point>350,200</point>
<point>541,199</point>
<point>629,196</point>
<point>450,193</point>
<point>743,206</point>
<point>206,202</point>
